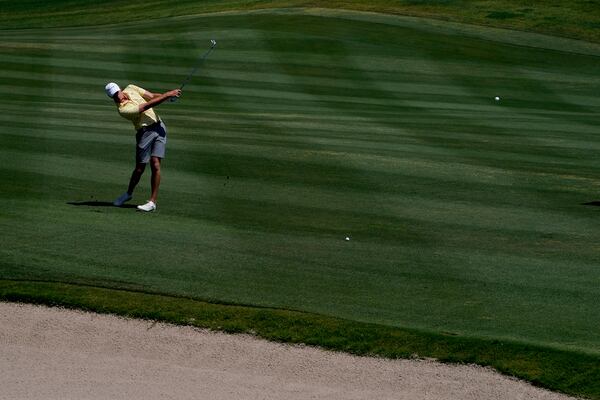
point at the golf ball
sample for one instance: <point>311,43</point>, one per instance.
<point>347,238</point>
<point>497,98</point>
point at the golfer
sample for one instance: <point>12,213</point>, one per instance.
<point>136,105</point>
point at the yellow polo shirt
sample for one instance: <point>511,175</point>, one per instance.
<point>130,110</point>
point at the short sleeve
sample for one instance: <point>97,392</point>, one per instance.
<point>138,89</point>
<point>129,110</point>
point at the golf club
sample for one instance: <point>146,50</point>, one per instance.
<point>213,43</point>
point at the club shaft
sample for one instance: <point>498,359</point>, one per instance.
<point>200,60</point>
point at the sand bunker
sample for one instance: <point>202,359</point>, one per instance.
<point>49,353</point>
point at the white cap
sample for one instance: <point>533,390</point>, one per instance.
<point>111,89</point>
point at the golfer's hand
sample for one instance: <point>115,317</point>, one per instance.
<point>173,93</point>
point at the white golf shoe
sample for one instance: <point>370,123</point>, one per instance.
<point>122,199</point>
<point>149,206</point>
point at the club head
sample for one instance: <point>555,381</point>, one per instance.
<point>213,43</point>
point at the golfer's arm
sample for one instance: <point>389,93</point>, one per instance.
<point>156,100</point>
<point>149,95</point>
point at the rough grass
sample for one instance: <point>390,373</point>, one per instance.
<point>575,374</point>
<point>574,19</point>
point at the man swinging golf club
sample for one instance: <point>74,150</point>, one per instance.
<point>136,105</point>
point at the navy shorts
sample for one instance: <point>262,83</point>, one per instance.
<point>151,141</point>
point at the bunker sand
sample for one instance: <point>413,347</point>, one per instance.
<point>49,353</point>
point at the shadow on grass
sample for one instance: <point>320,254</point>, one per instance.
<point>96,203</point>
<point>595,203</point>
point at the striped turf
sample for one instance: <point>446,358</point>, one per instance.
<point>466,215</point>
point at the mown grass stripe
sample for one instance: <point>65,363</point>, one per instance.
<point>348,147</point>
<point>409,156</point>
<point>420,213</point>
<point>407,148</point>
<point>33,79</point>
<point>86,63</point>
<point>487,216</point>
<point>302,188</point>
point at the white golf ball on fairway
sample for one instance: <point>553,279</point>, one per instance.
<point>347,238</point>
<point>497,98</point>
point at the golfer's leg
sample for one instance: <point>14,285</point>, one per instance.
<point>155,179</point>
<point>135,177</point>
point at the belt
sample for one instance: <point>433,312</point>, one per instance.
<point>150,127</point>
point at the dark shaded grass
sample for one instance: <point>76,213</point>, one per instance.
<point>381,228</point>
<point>576,18</point>
<point>111,152</point>
<point>567,372</point>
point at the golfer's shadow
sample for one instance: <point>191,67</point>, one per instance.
<point>96,203</point>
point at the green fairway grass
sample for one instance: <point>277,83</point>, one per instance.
<point>575,18</point>
<point>467,217</point>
